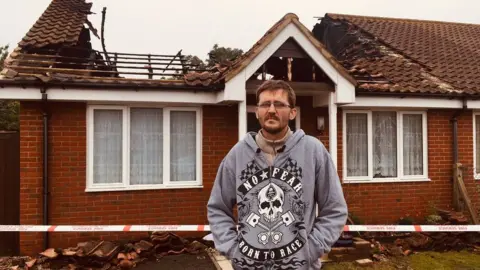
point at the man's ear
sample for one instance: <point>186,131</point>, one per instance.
<point>293,114</point>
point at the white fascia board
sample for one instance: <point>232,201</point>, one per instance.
<point>58,94</point>
<point>235,89</point>
<point>473,104</point>
<point>19,93</point>
<point>406,102</point>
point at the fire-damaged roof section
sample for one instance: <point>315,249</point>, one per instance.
<point>57,51</point>
<point>61,22</point>
<point>404,55</point>
<point>226,71</point>
<point>86,67</point>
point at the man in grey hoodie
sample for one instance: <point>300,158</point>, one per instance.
<point>276,178</point>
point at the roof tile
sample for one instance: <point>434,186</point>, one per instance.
<point>61,22</point>
<point>444,55</point>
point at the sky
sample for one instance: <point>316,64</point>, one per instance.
<point>166,26</point>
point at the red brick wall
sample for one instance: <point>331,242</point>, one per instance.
<point>385,203</point>
<point>71,205</point>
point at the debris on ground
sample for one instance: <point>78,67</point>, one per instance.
<point>383,247</point>
<point>452,217</point>
<point>364,262</point>
<point>358,249</point>
<point>106,255</point>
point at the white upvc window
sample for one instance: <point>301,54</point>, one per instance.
<point>476,145</point>
<point>140,147</point>
<point>384,146</point>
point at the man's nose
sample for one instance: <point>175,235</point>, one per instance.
<point>272,109</point>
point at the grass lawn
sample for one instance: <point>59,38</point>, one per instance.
<point>421,261</point>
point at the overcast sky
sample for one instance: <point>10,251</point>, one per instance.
<point>166,26</point>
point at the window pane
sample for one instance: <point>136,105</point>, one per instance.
<point>477,142</point>
<point>146,146</point>
<point>183,146</point>
<point>107,146</point>
<point>412,144</point>
<point>357,144</point>
<point>384,144</point>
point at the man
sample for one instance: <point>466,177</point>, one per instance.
<point>276,178</point>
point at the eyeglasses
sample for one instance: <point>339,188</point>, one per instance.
<point>276,104</point>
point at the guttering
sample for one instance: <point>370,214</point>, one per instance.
<point>46,192</point>
<point>126,86</point>
<point>426,95</point>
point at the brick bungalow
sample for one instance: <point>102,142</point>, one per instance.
<point>394,101</point>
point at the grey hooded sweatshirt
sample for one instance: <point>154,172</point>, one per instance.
<point>277,226</point>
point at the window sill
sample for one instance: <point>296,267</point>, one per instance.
<point>346,181</point>
<point>134,188</point>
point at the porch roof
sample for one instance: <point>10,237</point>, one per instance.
<point>229,69</point>
<point>390,55</point>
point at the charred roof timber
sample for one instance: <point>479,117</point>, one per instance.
<point>64,54</point>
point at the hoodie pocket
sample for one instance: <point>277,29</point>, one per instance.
<point>314,253</point>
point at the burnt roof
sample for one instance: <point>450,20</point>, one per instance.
<point>245,59</point>
<point>61,23</point>
<point>57,51</point>
<point>405,55</point>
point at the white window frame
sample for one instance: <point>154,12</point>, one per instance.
<point>476,175</point>
<point>400,177</point>
<point>251,109</point>
<point>125,185</point>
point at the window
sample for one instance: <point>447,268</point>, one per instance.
<point>476,144</point>
<point>253,125</point>
<point>143,147</point>
<point>382,146</point>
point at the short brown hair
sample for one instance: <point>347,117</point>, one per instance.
<point>275,85</point>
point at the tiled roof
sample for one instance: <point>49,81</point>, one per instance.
<point>56,51</point>
<point>61,22</point>
<point>403,55</point>
<point>24,68</point>
<point>229,70</point>
<point>11,77</point>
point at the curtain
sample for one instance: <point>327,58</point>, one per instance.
<point>384,144</point>
<point>357,144</point>
<point>107,146</point>
<point>183,146</point>
<point>412,144</point>
<point>146,146</point>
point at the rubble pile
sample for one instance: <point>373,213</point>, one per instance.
<point>106,255</point>
<point>395,244</point>
<point>451,217</point>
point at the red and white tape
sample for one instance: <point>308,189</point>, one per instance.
<point>206,228</point>
<point>104,228</point>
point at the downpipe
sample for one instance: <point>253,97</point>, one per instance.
<point>45,164</point>
<point>455,129</point>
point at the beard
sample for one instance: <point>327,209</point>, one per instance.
<point>276,129</point>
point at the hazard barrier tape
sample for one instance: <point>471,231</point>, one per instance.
<point>206,228</point>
